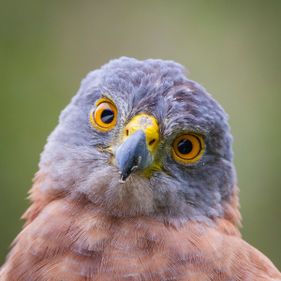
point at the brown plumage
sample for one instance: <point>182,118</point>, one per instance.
<point>70,240</point>
<point>166,218</point>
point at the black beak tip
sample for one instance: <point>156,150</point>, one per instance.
<point>123,177</point>
<point>125,174</point>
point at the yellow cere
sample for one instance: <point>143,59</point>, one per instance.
<point>149,125</point>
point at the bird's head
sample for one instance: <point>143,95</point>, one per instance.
<point>139,138</point>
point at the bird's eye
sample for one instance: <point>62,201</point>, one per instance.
<point>188,148</point>
<point>104,116</point>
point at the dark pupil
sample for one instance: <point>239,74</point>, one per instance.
<point>107,116</point>
<point>185,146</point>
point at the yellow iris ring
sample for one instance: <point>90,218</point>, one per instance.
<point>96,115</point>
<point>196,152</point>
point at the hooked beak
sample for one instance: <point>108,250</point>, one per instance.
<point>139,145</point>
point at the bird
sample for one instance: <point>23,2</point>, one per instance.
<point>137,183</point>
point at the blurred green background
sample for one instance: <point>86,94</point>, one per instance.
<point>231,47</point>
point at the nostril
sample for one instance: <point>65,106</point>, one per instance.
<point>127,132</point>
<point>152,142</point>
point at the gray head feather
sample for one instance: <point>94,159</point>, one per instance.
<point>77,161</point>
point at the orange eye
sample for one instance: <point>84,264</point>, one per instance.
<point>104,116</point>
<point>188,148</point>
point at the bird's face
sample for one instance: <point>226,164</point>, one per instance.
<point>139,138</point>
